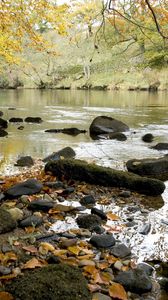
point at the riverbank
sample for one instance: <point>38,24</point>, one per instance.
<point>65,223</point>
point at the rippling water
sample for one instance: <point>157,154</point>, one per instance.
<point>143,112</point>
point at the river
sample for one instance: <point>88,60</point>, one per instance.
<point>143,112</point>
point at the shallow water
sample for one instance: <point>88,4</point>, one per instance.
<point>143,112</point>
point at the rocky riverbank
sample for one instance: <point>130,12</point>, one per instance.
<point>60,240</point>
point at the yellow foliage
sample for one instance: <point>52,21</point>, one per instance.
<point>19,25</point>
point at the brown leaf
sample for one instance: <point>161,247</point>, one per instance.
<point>60,252</point>
<point>113,228</point>
<point>91,270</point>
<point>116,290</point>
<point>46,247</point>
<point>34,263</point>
<point>7,277</point>
<point>71,261</point>
<point>103,265</point>
<point>112,216</point>
<point>6,296</point>
<point>30,249</point>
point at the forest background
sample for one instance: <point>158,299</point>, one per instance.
<point>84,44</point>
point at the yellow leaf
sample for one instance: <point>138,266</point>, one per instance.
<point>44,248</point>
<point>6,296</point>
<point>112,216</point>
<point>60,252</point>
<point>116,290</point>
<point>34,263</point>
<point>74,249</point>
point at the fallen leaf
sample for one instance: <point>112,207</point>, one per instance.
<point>60,252</point>
<point>7,277</point>
<point>103,265</point>
<point>116,290</point>
<point>29,229</point>
<point>44,248</point>
<point>34,263</point>
<point>74,249</point>
<point>111,259</point>
<point>113,228</point>
<point>112,216</point>
<point>6,296</point>
<point>30,249</point>
<point>71,261</point>
<point>91,270</point>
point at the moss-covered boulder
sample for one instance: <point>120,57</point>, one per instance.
<point>54,282</point>
<point>91,173</point>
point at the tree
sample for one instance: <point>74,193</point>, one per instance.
<point>19,24</point>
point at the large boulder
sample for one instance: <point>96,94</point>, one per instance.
<point>91,173</point>
<point>156,167</point>
<point>55,282</point>
<point>105,125</point>
<point>28,187</point>
<point>66,152</point>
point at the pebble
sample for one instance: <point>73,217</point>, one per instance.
<point>118,265</point>
<point>145,229</point>
<point>125,194</point>
<point>41,204</point>
<point>31,221</point>
<point>87,200</point>
<point>4,270</point>
<point>99,213</point>
<point>120,251</point>
<point>24,199</point>
<point>16,213</point>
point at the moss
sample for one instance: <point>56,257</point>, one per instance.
<point>91,173</point>
<point>54,282</point>
<point>7,223</point>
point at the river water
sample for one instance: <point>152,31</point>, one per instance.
<point>143,112</point>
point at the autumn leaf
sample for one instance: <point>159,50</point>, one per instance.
<point>6,296</point>
<point>112,216</point>
<point>91,270</point>
<point>34,263</point>
<point>103,265</point>
<point>60,252</point>
<point>44,248</point>
<point>30,249</point>
<point>71,261</point>
<point>74,249</point>
<point>7,277</point>
<point>116,290</point>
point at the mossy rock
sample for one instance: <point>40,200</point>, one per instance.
<point>91,173</point>
<point>54,282</point>
<point>7,223</point>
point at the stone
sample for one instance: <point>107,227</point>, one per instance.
<point>155,167</point>
<point>106,125</point>
<point>41,204</point>
<point>55,184</point>
<point>66,152</point>
<point>3,133</point>
<point>99,213</point>
<point>145,229</point>
<point>25,161</point>
<point>28,187</point>
<point>16,213</point>
<point>31,221</point>
<point>117,136</point>
<point>148,138</point>
<point>118,265</point>
<point>70,131</point>
<point>4,270</point>
<point>56,282</point>
<point>7,223</point>
<point>160,146</point>
<point>2,196</point>
<point>98,229</point>
<point>135,281</point>
<point>1,113</point>
<point>87,200</point>
<point>20,127</point>
<point>91,173</point>
<point>125,194</point>
<point>33,120</point>
<point>100,296</point>
<point>88,221</point>
<point>15,120</point>
<point>102,240</point>
<point>148,269</point>
<point>3,123</point>
<point>120,250</point>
